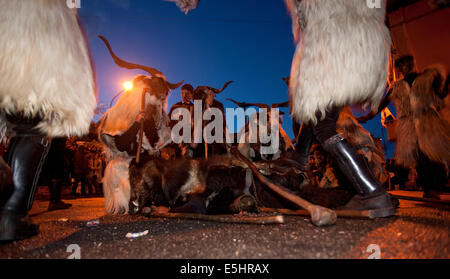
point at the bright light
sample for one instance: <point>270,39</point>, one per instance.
<point>128,85</point>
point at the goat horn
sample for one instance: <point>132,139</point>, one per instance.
<point>214,89</point>
<point>128,65</point>
<point>174,85</point>
<point>246,105</point>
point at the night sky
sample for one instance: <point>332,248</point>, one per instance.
<point>247,41</point>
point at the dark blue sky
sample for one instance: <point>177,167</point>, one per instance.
<point>247,41</point>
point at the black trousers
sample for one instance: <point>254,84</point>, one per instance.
<point>323,130</point>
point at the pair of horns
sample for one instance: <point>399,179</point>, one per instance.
<point>260,105</point>
<point>214,89</point>
<point>128,65</point>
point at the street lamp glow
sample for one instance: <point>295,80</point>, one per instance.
<point>127,85</point>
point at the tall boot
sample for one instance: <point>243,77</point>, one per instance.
<point>370,193</point>
<point>303,146</point>
<point>26,155</point>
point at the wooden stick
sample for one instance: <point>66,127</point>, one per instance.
<point>261,220</point>
<point>141,129</point>
<point>339,213</point>
<point>320,216</point>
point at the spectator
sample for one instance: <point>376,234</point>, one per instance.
<point>53,173</point>
<point>81,169</point>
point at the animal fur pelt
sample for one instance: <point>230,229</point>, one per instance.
<point>355,134</point>
<point>45,67</point>
<point>433,131</point>
<point>186,185</point>
<point>115,122</point>
<point>406,150</point>
<point>116,186</point>
<point>122,118</point>
<point>341,58</point>
<point>210,186</point>
<point>420,122</point>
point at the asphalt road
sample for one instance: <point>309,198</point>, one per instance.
<point>418,231</point>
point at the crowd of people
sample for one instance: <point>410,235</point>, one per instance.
<point>73,166</point>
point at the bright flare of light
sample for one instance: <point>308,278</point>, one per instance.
<point>128,85</point>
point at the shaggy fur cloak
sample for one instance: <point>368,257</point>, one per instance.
<point>115,122</point>
<point>45,68</point>
<point>341,58</point>
<point>420,121</point>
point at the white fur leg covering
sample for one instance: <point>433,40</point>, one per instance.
<point>116,186</point>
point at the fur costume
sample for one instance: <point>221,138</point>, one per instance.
<point>44,66</point>
<point>341,58</point>
<point>420,122</point>
<point>116,121</point>
<point>116,130</point>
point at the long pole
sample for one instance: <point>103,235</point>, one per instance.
<point>141,129</point>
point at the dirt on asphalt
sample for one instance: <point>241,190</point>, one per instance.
<point>417,231</point>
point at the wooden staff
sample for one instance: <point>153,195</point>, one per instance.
<point>141,129</point>
<point>320,216</point>
<point>340,213</point>
<point>236,218</point>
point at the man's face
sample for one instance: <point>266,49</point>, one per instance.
<point>186,95</point>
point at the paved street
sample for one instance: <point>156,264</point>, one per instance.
<point>419,230</point>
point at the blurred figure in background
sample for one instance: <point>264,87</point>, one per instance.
<point>53,174</point>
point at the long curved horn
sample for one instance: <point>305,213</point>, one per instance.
<point>174,85</point>
<point>128,65</point>
<point>223,87</point>
<point>203,87</point>
<point>246,105</point>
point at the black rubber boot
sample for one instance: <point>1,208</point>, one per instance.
<point>26,155</point>
<point>370,193</point>
<point>16,226</point>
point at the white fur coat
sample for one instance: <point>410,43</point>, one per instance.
<point>45,68</point>
<point>341,57</point>
<point>117,120</point>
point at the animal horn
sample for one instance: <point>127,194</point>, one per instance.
<point>214,89</point>
<point>246,105</point>
<point>128,65</point>
<point>223,87</point>
<point>174,85</point>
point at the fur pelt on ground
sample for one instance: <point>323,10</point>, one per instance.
<point>341,58</point>
<point>210,186</point>
<point>177,182</point>
<point>45,67</point>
